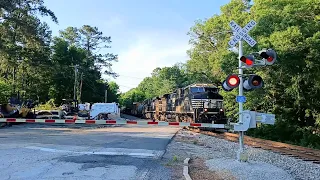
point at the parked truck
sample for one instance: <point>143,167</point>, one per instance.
<point>105,111</point>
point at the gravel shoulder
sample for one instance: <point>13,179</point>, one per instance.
<point>213,158</point>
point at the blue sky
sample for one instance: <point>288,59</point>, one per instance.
<point>145,34</point>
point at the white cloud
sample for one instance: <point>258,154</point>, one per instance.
<point>149,51</point>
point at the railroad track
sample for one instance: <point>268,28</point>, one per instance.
<point>303,153</point>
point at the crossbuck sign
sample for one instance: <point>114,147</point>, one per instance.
<point>242,33</point>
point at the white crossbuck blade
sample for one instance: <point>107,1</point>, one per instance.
<point>242,33</point>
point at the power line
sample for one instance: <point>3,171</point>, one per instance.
<point>131,77</point>
<point>125,86</point>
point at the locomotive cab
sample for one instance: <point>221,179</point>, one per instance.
<point>207,104</point>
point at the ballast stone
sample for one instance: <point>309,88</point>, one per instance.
<point>248,170</point>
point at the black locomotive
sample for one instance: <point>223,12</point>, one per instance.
<point>199,103</point>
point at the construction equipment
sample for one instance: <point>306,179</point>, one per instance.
<point>70,105</point>
<point>17,109</point>
<point>25,110</point>
<point>8,111</point>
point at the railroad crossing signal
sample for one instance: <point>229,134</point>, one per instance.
<point>269,56</point>
<point>247,119</point>
<point>249,84</point>
<point>242,33</point>
<point>253,82</point>
<point>247,60</point>
<point>231,82</point>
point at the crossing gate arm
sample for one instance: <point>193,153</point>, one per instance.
<point>109,122</point>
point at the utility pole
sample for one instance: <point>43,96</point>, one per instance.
<point>13,80</point>
<point>106,96</point>
<point>80,88</point>
<point>75,82</point>
<point>106,85</point>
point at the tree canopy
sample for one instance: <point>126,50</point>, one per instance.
<point>37,66</point>
<point>291,91</point>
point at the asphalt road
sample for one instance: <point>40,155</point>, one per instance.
<point>39,151</point>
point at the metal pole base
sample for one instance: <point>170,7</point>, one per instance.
<point>242,156</point>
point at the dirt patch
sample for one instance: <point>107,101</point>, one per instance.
<point>175,164</point>
<point>177,171</point>
<point>198,170</point>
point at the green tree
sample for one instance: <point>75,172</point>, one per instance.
<point>90,87</point>
<point>131,96</point>
<point>5,90</point>
<point>113,92</point>
<point>23,37</point>
<point>86,42</point>
<point>39,68</point>
<point>93,41</point>
<point>291,85</point>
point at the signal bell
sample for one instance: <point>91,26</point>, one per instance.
<point>269,56</point>
<point>248,60</point>
<point>231,82</point>
<point>253,82</point>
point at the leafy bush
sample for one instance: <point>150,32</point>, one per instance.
<point>4,91</point>
<point>47,106</point>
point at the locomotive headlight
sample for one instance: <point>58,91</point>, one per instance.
<point>205,110</point>
<point>221,110</point>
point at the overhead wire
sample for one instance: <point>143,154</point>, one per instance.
<point>130,77</point>
<point>64,75</point>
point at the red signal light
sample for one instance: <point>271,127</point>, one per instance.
<point>248,60</point>
<point>231,82</point>
<point>269,55</point>
<point>270,59</point>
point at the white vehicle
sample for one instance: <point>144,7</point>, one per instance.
<point>104,111</point>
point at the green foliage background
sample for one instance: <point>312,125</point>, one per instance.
<point>41,67</point>
<point>292,85</point>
